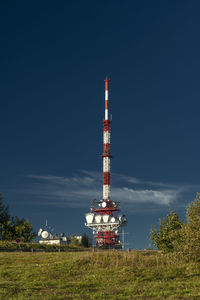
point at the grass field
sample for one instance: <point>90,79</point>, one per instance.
<point>97,275</point>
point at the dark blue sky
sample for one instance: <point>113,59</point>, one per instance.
<point>54,57</point>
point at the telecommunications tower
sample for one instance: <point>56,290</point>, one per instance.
<point>105,220</point>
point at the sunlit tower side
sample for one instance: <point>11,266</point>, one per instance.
<point>102,219</point>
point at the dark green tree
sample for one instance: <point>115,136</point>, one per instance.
<point>7,231</point>
<point>85,241</point>
<point>4,216</point>
<point>17,228</point>
<point>169,230</point>
<point>23,230</point>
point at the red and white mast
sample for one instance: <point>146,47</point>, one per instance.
<point>102,220</point>
<point>106,147</point>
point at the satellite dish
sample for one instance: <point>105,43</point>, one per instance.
<point>122,219</point>
<point>51,236</point>
<point>104,204</point>
<point>112,219</point>
<point>39,232</point>
<point>44,234</point>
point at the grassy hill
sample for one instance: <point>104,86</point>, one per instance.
<point>97,275</point>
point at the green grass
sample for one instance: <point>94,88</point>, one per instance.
<point>97,275</point>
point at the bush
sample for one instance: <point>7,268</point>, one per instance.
<point>189,242</point>
<point>175,236</point>
<point>169,231</point>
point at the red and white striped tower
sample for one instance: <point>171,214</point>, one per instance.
<point>102,220</point>
<point>106,147</point>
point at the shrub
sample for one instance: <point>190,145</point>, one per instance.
<point>189,242</point>
<point>169,230</point>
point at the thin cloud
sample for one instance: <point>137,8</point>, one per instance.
<point>77,191</point>
<point>142,196</point>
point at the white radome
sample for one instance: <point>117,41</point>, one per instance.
<point>89,217</point>
<point>98,219</point>
<point>112,219</point>
<point>106,218</point>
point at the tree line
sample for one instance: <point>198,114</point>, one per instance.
<point>174,235</point>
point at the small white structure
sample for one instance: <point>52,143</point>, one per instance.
<point>48,238</point>
<point>54,241</point>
